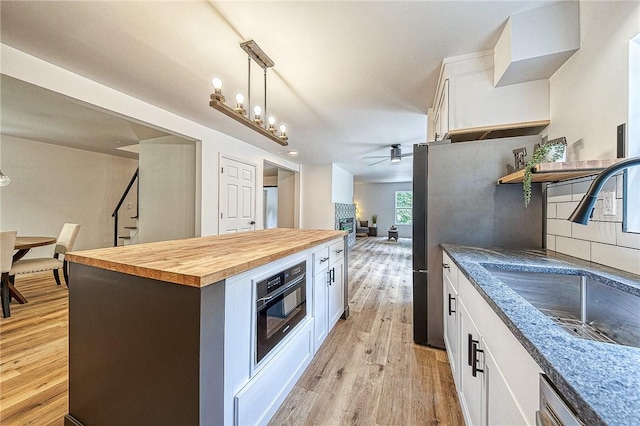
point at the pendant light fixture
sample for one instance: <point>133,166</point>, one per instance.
<point>239,113</point>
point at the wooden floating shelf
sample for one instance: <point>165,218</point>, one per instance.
<point>555,172</point>
<point>527,128</point>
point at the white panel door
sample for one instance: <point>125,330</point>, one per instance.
<point>237,196</point>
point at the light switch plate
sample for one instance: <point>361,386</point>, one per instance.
<point>609,203</point>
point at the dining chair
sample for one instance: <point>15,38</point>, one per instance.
<point>7,243</point>
<point>64,244</point>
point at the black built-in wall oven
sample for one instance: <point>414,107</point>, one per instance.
<point>280,305</point>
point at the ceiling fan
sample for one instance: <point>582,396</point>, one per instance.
<point>395,156</point>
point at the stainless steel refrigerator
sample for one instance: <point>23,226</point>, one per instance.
<point>456,200</point>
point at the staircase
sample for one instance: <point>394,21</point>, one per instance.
<point>129,234</point>
<point>132,237</point>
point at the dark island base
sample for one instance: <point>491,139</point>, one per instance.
<point>143,351</point>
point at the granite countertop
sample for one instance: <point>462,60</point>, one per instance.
<point>600,380</point>
<point>198,262</point>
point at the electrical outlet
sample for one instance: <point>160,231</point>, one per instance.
<point>129,205</point>
<point>609,203</point>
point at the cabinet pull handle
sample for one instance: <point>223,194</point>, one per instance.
<point>474,362</point>
<point>339,251</point>
<point>470,347</point>
<point>333,275</point>
<point>451,311</point>
<point>446,266</point>
<point>324,259</point>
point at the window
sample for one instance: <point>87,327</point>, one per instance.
<point>404,207</point>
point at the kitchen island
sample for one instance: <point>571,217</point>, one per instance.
<point>165,333</point>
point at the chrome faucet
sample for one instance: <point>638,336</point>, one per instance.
<point>584,211</point>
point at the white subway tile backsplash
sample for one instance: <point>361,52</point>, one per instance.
<point>564,210</point>
<point>559,227</point>
<point>551,242</point>
<point>602,240</point>
<point>617,257</point>
<point>601,232</point>
<point>576,248</point>
<point>627,239</point>
<point>557,193</point>
<point>579,189</point>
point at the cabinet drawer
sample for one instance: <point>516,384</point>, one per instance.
<point>320,260</point>
<point>449,270</point>
<point>336,251</point>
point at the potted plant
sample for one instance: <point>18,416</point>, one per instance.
<point>374,220</point>
<point>548,153</point>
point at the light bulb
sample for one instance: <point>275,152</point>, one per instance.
<point>283,128</point>
<point>216,82</point>
<point>257,110</point>
<point>272,121</point>
<point>239,98</point>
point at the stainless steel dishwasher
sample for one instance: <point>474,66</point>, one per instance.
<point>553,410</point>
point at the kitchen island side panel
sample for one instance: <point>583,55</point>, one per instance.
<point>135,354</point>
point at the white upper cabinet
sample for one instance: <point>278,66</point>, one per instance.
<point>467,106</point>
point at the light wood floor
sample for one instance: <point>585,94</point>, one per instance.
<point>34,354</point>
<point>368,371</point>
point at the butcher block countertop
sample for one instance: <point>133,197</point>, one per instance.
<point>198,262</point>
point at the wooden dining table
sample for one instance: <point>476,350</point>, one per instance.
<point>23,245</point>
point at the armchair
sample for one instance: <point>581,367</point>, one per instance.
<point>362,228</point>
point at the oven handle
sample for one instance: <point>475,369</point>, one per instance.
<point>291,284</point>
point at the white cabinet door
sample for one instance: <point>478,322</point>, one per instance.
<point>451,335</point>
<point>501,406</point>
<point>237,196</point>
<point>320,310</point>
<point>471,369</point>
<point>442,114</point>
<point>336,292</point>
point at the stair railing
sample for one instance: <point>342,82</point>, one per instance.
<point>115,211</point>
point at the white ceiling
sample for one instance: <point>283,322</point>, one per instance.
<point>350,78</point>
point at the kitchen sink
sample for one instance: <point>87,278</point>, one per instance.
<point>580,304</point>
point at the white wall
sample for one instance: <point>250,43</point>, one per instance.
<point>379,198</point>
<point>32,70</point>
<point>321,186</point>
<point>588,97</point>
<point>51,185</point>
<point>167,189</point>
<point>317,210</point>
<point>286,198</point>
<point>341,185</point>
